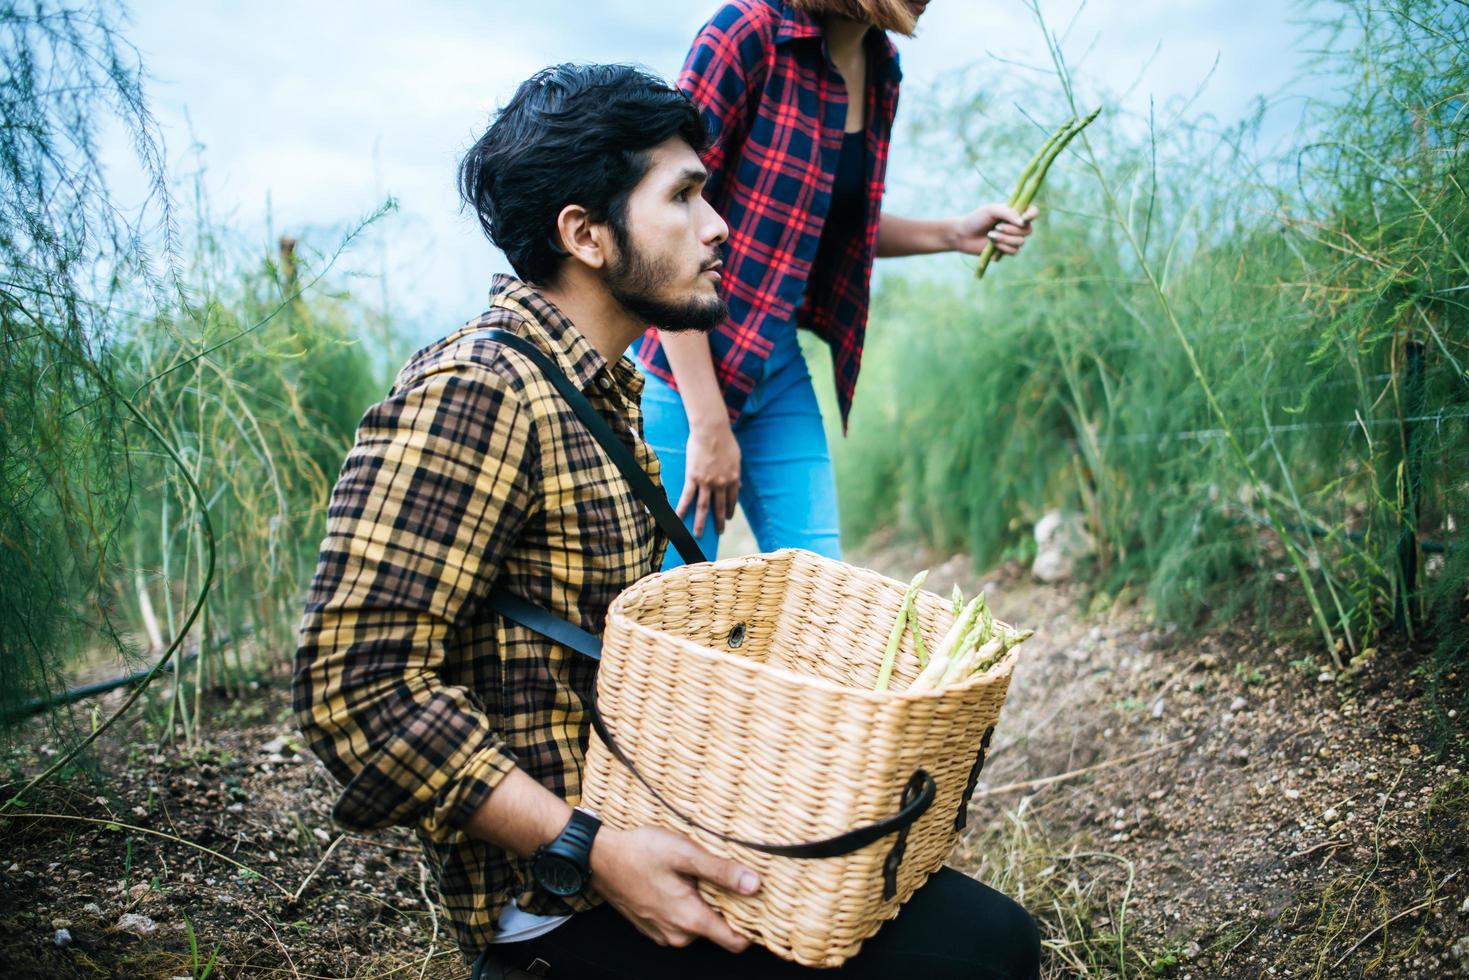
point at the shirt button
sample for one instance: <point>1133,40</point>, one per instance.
<point>605,383</point>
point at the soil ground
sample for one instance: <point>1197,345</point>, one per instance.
<point>1249,817</point>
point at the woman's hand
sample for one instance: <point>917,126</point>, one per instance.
<point>999,224</point>
<point>712,475</point>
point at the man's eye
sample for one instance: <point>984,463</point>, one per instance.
<point>682,195</point>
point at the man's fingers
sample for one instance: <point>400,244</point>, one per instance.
<point>728,875</point>
<point>711,925</point>
<point>733,500</point>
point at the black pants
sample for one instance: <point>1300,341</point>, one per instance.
<point>953,927</point>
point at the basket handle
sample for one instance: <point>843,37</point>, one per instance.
<point>918,794</point>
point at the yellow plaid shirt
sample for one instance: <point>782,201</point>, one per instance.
<point>472,472</point>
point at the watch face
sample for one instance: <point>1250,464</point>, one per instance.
<point>558,875</point>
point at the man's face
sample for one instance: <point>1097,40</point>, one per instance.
<point>667,269</point>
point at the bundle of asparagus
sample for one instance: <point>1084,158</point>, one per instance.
<point>1034,173</point>
<point>974,644</point>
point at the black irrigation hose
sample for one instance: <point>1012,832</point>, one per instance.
<point>37,705</point>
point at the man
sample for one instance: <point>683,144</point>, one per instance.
<point>435,711</point>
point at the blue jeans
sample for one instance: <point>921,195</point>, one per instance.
<point>787,486</point>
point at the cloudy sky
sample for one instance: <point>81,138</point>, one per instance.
<point>313,112</point>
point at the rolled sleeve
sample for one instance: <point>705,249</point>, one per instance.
<point>431,498</point>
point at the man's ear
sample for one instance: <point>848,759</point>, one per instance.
<point>586,241</point>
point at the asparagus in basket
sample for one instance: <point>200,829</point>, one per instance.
<point>895,639</point>
<point>974,644</point>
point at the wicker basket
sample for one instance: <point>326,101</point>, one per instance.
<point>742,691</point>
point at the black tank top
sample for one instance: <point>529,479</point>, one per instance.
<point>848,208</point>
<point>848,189</point>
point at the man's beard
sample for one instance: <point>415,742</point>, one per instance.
<point>633,279</point>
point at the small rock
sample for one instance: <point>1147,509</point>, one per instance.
<point>1329,816</point>
<point>274,746</point>
<point>1238,705</point>
<point>1465,907</point>
<point>13,869</point>
<point>138,925</point>
<point>1061,539</point>
<point>1460,950</point>
<point>1326,677</point>
<point>92,908</point>
<point>322,835</point>
<point>1293,794</point>
<point>60,923</point>
<point>1158,708</point>
<point>236,808</point>
<point>62,937</point>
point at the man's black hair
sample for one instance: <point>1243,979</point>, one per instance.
<point>571,134</point>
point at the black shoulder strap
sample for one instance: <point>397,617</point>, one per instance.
<point>616,449</point>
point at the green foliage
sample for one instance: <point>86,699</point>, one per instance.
<point>1211,356</point>
<point>65,250</point>
<point>260,384</point>
<point>147,401</point>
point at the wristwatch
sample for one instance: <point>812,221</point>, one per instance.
<point>564,866</point>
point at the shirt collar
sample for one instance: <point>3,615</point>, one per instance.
<point>578,358</point>
<point>797,25</point>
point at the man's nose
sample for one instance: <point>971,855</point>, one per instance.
<point>716,231</point>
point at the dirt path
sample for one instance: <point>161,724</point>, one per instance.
<point>1269,824</point>
<point>1274,820</point>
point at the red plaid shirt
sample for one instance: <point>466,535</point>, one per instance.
<point>776,108</point>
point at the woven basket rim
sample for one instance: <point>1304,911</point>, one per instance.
<point>1002,668</point>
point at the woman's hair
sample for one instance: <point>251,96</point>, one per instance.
<point>571,134</point>
<point>890,15</point>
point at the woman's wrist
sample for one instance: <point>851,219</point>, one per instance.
<point>709,421</point>
<point>951,235</point>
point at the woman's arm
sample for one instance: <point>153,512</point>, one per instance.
<point>712,467</point>
<point>999,223</point>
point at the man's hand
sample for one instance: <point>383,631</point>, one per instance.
<point>649,875</point>
<point>999,224</point>
<point>712,476</point>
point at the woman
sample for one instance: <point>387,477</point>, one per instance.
<point>797,169</point>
